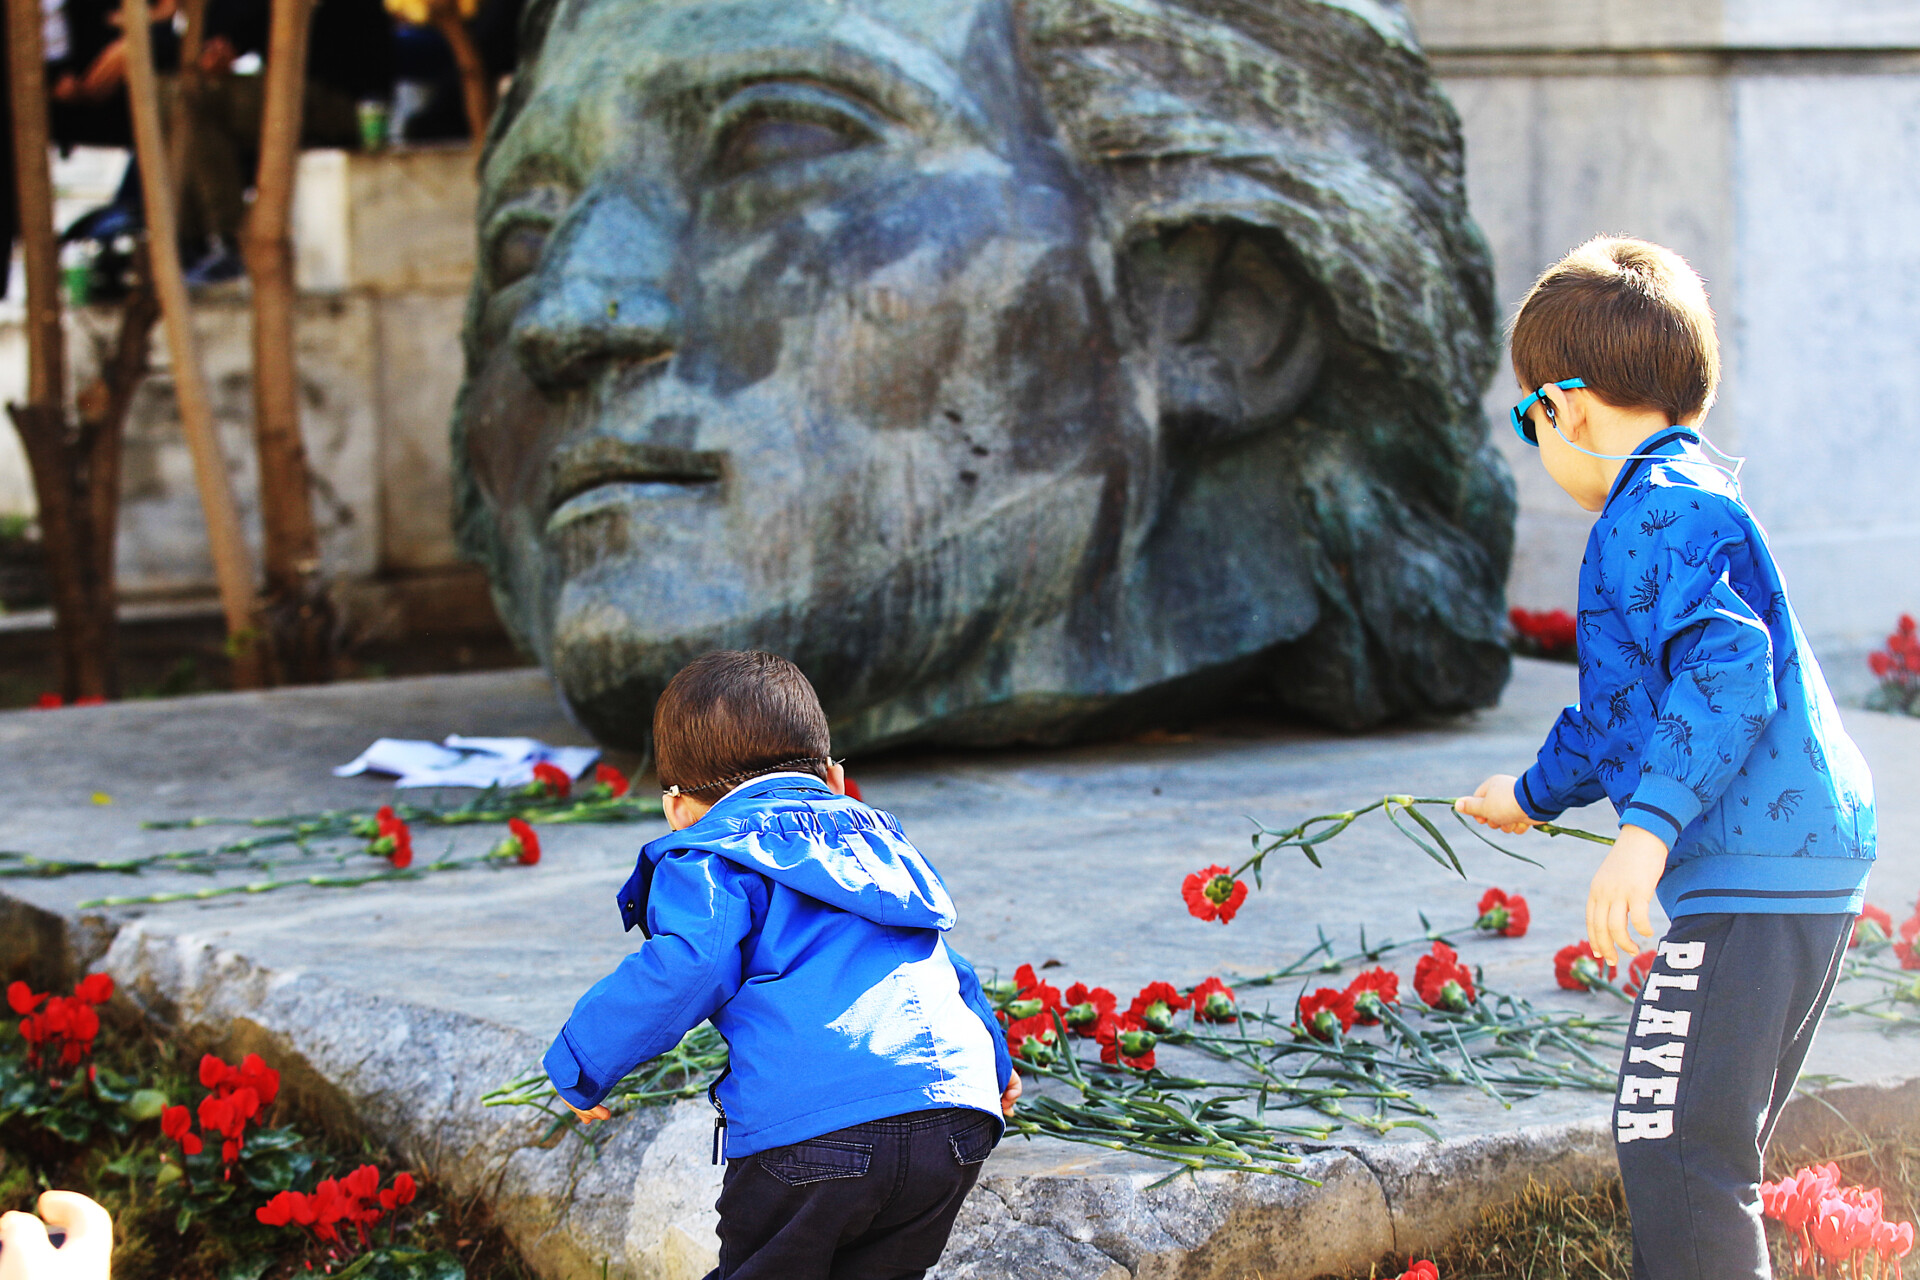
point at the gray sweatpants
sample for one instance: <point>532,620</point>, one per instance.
<point>1718,1035</point>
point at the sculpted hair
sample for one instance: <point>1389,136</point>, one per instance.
<point>1317,126</point>
<point>1628,317</point>
<point>729,716</point>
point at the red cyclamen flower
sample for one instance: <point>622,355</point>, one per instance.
<point>1326,1014</point>
<point>1576,967</point>
<point>1371,992</point>
<point>1213,894</point>
<point>177,1124</point>
<point>22,999</point>
<point>1504,914</point>
<point>1213,1001</point>
<point>1442,981</point>
<point>399,1193</point>
<point>1421,1270</point>
<point>552,779</point>
<point>1085,1006</point>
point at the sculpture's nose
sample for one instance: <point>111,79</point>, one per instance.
<point>601,296</point>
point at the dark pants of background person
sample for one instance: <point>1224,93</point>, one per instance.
<point>225,143</point>
<point>1718,1035</point>
<point>874,1201</point>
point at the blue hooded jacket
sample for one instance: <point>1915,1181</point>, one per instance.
<point>1703,715</point>
<point>808,929</point>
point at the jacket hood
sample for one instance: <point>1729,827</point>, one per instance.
<point>796,832</point>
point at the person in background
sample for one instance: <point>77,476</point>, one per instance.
<point>350,59</point>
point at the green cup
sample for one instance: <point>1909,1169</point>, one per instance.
<point>374,118</point>
<point>78,279</point>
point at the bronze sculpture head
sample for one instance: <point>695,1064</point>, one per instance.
<point>1023,369</point>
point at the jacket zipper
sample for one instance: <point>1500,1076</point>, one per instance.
<point>720,1121</point>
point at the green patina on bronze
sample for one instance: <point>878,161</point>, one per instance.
<point>1023,370</point>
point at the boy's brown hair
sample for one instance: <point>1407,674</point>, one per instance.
<point>1628,317</point>
<point>729,716</point>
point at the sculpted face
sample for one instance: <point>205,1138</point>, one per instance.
<point>800,327</point>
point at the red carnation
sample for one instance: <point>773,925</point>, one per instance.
<point>1442,981</point>
<point>1032,998</point>
<point>1085,1006</point>
<point>1032,1039</point>
<point>1503,914</point>
<point>605,775</point>
<point>1371,992</point>
<point>1326,1014</point>
<point>520,844</point>
<point>853,791</point>
<point>1637,972</point>
<point>1909,957</point>
<point>529,842</point>
<point>1213,894</point>
<point>1213,1001</point>
<point>393,840</point>
<point>1127,1041</point>
<point>1874,925</point>
<point>1156,1005</point>
<point>552,780</point>
<point>1577,967</point>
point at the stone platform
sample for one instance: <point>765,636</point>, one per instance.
<point>405,1002</point>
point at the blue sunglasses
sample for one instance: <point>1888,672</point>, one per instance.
<point>1522,425</point>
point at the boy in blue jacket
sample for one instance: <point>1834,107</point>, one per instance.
<point>868,1074</point>
<point>1704,718</point>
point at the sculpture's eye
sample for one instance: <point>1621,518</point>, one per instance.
<point>516,252</point>
<point>782,123</point>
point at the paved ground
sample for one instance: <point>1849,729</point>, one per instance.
<point>408,1000</point>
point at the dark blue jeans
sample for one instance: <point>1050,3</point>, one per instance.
<point>873,1201</point>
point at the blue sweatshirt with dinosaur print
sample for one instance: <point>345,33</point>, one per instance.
<point>1703,715</point>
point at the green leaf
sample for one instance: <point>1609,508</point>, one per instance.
<point>183,1219</point>
<point>248,1269</point>
<point>146,1104</point>
<point>63,1121</point>
<point>403,1264</point>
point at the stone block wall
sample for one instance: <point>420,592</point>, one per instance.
<point>1776,143</point>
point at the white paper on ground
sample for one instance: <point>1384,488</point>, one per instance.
<point>466,762</point>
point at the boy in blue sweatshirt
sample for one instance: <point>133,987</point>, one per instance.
<point>867,1072</point>
<point>1704,718</point>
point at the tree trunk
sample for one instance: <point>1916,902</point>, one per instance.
<point>475,91</point>
<point>232,564</point>
<point>83,599</point>
<point>299,614</point>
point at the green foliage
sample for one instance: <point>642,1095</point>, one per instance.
<point>73,1109</point>
<point>403,1264</point>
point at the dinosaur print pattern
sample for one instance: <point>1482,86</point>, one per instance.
<point>1700,712</point>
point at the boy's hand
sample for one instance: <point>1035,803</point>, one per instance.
<point>1493,805</point>
<point>1011,1096</point>
<point>1621,890</point>
<point>588,1117</point>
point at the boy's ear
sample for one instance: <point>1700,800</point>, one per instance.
<point>837,778</point>
<point>1236,335</point>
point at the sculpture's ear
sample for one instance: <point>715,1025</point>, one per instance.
<point>1235,333</point>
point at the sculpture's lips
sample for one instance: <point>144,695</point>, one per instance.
<point>594,464</point>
